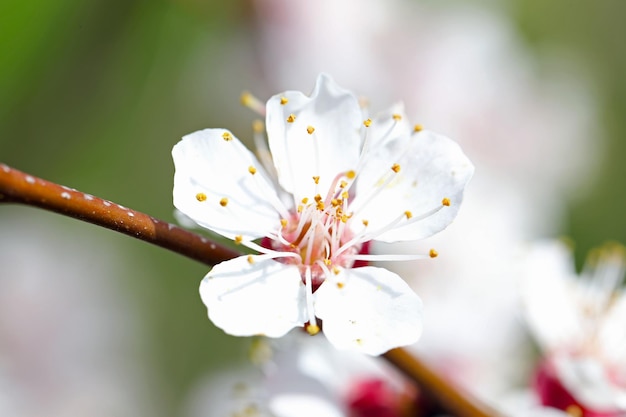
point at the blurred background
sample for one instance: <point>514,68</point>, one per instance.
<point>93,95</point>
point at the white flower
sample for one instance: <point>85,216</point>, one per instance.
<point>580,324</point>
<point>341,180</point>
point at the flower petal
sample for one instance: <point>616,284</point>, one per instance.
<point>264,297</point>
<point>214,186</point>
<point>368,309</point>
<point>332,147</point>
<point>302,405</point>
<point>430,167</point>
<point>548,280</point>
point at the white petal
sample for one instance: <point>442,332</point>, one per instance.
<point>264,297</point>
<point>432,167</point>
<point>333,147</point>
<point>547,289</point>
<point>373,311</point>
<point>206,163</point>
<point>302,405</point>
<point>589,380</point>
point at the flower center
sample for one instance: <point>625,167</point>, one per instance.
<point>318,231</point>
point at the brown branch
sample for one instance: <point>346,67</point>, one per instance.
<point>19,187</point>
<point>437,389</point>
<point>22,188</point>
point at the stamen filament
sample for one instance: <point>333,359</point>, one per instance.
<point>309,296</point>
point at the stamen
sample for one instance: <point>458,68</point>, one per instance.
<point>309,298</point>
<point>363,236</point>
<point>224,202</point>
<point>227,136</point>
<point>387,257</point>
<point>433,253</point>
<point>310,130</point>
<point>418,128</point>
<point>252,103</point>
<point>395,168</point>
<point>284,100</point>
<point>446,202</point>
<point>367,123</point>
<point>291,118</point>
<point>201,197</point>
<point>313,329</point>
<point>252,170</point>
<point>397,117</point>
<point>258,126</point>
<point>316,179</point>
<point>238,239</point>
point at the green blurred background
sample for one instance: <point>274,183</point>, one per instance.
<point>93,95</point>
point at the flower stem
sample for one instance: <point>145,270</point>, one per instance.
<point>21,188</point>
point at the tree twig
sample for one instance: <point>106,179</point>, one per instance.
<point>19,187</point>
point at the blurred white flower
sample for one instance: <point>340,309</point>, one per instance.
<point>306,377</point>
<point>68,334</point>
<point>580,324</point>
<point>342,180</point>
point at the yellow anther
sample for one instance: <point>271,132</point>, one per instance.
<point>344,218</point>
<point>327,262</point>
<point>227,136</point>
<point>246,98</point>
<point>284,100</point>
<point>283,222</point>
<point>418,128</point>
<point>446,201</point>
<point>258,126</point>
<point>367,123</point>
<point>340,285</point>
<point>334,202</point>
<point>238,239</point>
<point>201,197</point>
<point>365,222</point>
<point>316,179</point>
<point>252,170</point>
<point>345,195</point>
<point>350,174</point>
<point>408,214</point>
<point>359,341</point>
<point>395,168</point>
<point>574,410</point>
<point>291,118</point>
<point>310,130</point>
<point>397,117</point>
<point>312,329</point>
<point>343,184</point>
<point>299,210</point>
<point>320,205</point>
<point>433,253</point>
<point>318,198</point>
<point>223,202</point>
<point>336,270</point>
<point>250,259</point>
<point>305,200</point>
